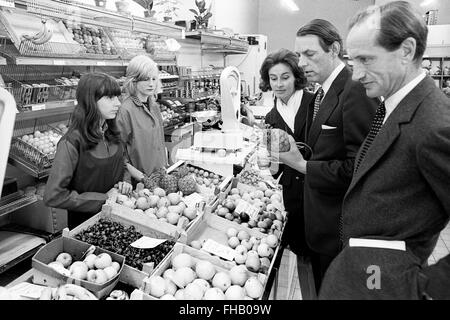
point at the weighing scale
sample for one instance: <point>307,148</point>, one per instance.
<point>205,150</point>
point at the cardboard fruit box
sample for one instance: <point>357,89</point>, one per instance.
<point>129,275</point>
<point>220,265</point>
<point>213,227</point>
<point>50,277</point>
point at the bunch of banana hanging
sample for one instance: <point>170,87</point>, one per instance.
<point>44,35</point>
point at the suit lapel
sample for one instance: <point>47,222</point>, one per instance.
<point>327,106</point>
<point>403,113</point>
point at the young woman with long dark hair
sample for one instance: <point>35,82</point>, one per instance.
<point>90,158</point>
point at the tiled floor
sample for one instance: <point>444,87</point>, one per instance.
<point>442,249</point>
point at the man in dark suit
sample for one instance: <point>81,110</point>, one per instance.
<point>338,120</point>
<point>398,200</point>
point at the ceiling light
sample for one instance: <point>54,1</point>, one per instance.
<point>290,4</point>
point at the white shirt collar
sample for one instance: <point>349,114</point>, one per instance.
<point>289,111</point>
<point>393,101</point>
<point>327,83</point>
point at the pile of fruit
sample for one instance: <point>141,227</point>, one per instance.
<point>93,39</point>
<point>169,116</point>
<point>38,190</point>
<point>45,141</point>
<point>157,204</point>
<point>179,180</point>
<point>268,204</point>
<point>114,237</point>
<point>94,268</point>
<point>195,279</point>
<point>205,178</point>
<point>253,252</point>
<point>250,176</point>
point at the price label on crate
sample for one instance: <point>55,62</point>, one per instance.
<point>59,62</point>
<point>147,243</point>
<point>218,249</point>
<point>193,200</point>
<point>248,208</point>
<point>101,63</point>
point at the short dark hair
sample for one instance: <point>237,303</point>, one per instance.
<point>86,116</point>
<point>399,20</point>
<point>325,31</point>
<point>288,58</point>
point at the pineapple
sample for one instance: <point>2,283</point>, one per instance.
<point>276,140</point>
<point>187,185</point>
<point>169,183</point>
<point>154,180</point>
<point>182,172</point>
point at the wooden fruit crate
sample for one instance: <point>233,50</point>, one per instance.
<point>129,275</point>
<point>213,227</point>
<point>197,255</point>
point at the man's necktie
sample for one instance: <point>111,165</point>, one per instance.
<point>317,101</point>
<point>377,123</point>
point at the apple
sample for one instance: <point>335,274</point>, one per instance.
<point>103,260</point>
<point>110,272</point>
<point>78,270</point>
<point>65,259</point>
<point>91,275</point>
<point>116,266</point>
<point>90,260</point>
<point>102,277</point>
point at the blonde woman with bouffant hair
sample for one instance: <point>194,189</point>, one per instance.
<point>139,119</point>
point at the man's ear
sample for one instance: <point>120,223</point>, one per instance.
<point>335,48</point>
<point>408,49</point>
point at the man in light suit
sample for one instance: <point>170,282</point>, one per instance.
<point>398,200</point>
<point>337,122</point>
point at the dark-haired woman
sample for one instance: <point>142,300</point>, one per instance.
<point>90,158</point>
<point>281,74</point>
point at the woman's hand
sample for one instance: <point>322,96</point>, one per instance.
<point>292,158</point>
<point>125,187</point>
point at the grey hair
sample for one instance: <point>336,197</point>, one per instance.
<point>396,21</point>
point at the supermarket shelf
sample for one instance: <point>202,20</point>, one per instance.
<point>225,51</point>
<point>66,61</point>
<point>29,115</point>
<point>17,204</point>
<point>24,166</point>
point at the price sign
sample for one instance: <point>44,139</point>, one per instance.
<point>59,62</point>
<point>101,63</point>
<point>218,249</point>
<point>251,210</point>
<point>147,243</point>
<point>192,200</point>
<point>36,107</point>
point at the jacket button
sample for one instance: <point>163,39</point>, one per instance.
<point>297,178</point>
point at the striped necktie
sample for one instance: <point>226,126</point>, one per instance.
<point>317,102</point>
<point>377,123</point>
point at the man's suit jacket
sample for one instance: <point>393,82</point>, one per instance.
<point>347,108</point>
<point>400,192</point>
<point>292,180</point>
